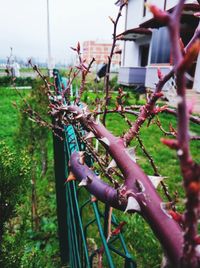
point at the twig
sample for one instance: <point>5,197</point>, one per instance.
<point>107,76</point>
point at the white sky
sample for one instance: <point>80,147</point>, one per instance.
<point>23,26</point>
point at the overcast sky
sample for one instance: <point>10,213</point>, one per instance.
<point>23,26</point>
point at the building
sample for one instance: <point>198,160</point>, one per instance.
<point>147,44</point>
<point>100,51</point>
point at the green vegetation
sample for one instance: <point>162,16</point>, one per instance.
<point>7,81</point>
<point>30,231</point>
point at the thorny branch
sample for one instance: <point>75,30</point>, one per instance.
<point>107,77</point>
<point>190,169</point>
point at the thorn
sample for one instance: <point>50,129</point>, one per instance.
<point>85,181</point>
<point>82,157</point>
<point>132,204</point>
<point>131,153</point>
<point>81,153</point>
<point>71,177</point>
<point>78,116</point>
<point>155,180</point>
<point>85,109</point>
<point>112,164</point>
<point>93,199</point>
<point>165,207</point>
<point>140,186</point>
<point>65,107</point>
<point>74,112</point>
<point>90,135</point>
<point>105,141</point>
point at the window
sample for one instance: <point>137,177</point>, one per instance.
<point>160,52</point>
<point>144,55</point>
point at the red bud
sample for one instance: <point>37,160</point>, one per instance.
<point>159,94</point>
<point>176,216</point>
<point>119,228</point>
<point>173,144</point>
<point>190,56</point>
<point>194,187</point>
<point>159,14</point>
<point>160,109</point>
<point>197,240</point>
<point>159,73</point>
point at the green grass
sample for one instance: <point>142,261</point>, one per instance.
<point>9,115</point>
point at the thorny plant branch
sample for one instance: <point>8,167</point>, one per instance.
<point>101,162</point>
<point>151,161</point>
<point>84,70</point>
<point>137,186</point>
<point>156,173</point>
<point>190,170</point>
<point>172,131</point>
<point>149,109</point>
<point>34,116</point>
<point>107,76</point>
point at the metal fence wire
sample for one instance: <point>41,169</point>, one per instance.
<point>83,222</point>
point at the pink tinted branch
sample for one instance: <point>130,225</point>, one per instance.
<point>101,190</point>
<point>192,118</point>
<point>190,170</point>
<point>147,110</point>
<point>85,72</point>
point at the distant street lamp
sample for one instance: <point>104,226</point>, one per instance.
<point>50,64</point>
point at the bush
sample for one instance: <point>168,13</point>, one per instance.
<point>14,170</point>
<point>7,81</point>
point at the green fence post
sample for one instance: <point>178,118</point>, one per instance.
<point>60,177</point>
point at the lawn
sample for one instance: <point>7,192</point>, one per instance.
<point>9,115</point>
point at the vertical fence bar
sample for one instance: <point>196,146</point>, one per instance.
<point>60,176</point>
